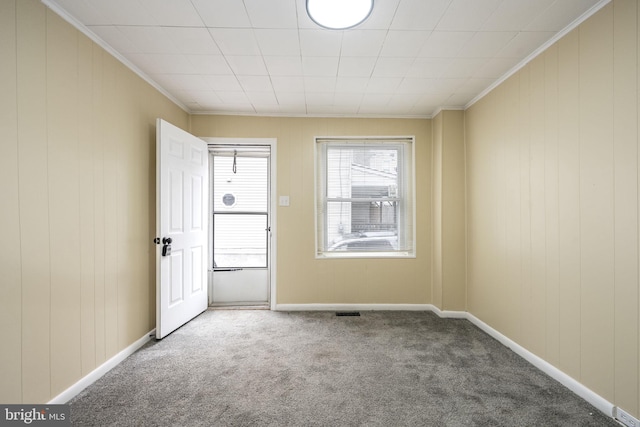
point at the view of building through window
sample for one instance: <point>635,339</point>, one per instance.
<point>363,190</point>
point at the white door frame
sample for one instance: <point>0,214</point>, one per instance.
<point>272,250</point>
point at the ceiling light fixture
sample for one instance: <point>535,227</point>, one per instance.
<point>339,14</point>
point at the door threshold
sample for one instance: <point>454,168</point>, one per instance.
<point>239,306</point>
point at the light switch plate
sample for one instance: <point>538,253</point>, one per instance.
<point>284,201</point>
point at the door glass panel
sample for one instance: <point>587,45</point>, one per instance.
<point>240,208</point>
<point>244,190</point>
<point>240,240</point>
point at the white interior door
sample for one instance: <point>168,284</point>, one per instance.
<point>182,196</point>
<point>241,225</point>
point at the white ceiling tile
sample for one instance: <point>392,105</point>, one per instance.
<point>464,67</point>
<point>523,44</point>
<point>495,68</point>
<point>383,84</point>
<point>222,13</point>
<point>268,109</point>
<point>459,99</point>
<point>475,85</point>
<point>303,19</point>
<point>168,63</point>
<point>362,42</point>
<point>419,14</point>
<point>291,98</point>
<point>262,98</point>
<point>320,84</point>
<point>356,66</point>
<point>272,13</point>
<point>149,39</point>
<point>283,65</point>
<point>369,108</point>
<point>202,96</point>
<point>341,108</point>
<point>174,13</point>
<point>124,12</point>
<point>320,66</point>
<point>320,42</point>
<point>222,83</point>
<point>514,15</point>
<point>319,98</point>
<point>429,67</point>
<point>381,15</point>
<point>351,84</point>
<point>403,43</point>
<point>449,85</point>
<point>114,38</point>
<point>180,82</point>
<point>319,108</point>
<point>376,99</point>
<point>278,42</point>
<point>233,97</point>
<point>445,44</point>
<point>210,64</point>
<point>392,67</point>
<point>404,101</point>
<point>409,57</point>
<point>351,99</point>
<point>417,86</point>
<point>287,84</point>
<point>431,100</point>
<point>560,14</point>
<point>192,40</point>
<point>234,41</point>
<point>485,44</point>
<point>247,65</point>
<point>467,15</point>
<point>255,83</point>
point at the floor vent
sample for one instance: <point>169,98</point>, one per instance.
<point>347,313</point>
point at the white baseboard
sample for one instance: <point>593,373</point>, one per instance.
<point>94,375</point>
<point>576,387</point>
<point>581,390</point>
<point>354,307</point>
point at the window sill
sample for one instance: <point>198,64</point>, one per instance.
<point>350,255</point>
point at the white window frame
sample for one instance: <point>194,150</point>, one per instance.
<point>406,222</point>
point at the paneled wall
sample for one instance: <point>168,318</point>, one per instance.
<point>77,184</point>
<point>301,278</point>
<point>448,212</point>
<point>552,184</point>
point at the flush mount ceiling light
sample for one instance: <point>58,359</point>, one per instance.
<point>339,14</point>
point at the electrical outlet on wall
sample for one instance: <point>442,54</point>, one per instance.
<point>625,418</point>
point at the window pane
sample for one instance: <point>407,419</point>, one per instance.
<point>239,240</point>
<point>242,191</point>
<point>362,172</point>
<point>364,196</point>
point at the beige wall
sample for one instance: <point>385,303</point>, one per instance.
<point>552,182</point>
<point>77,184</point>
<point>300,277</point>
<point>448,207</point>
<point>552,206</point>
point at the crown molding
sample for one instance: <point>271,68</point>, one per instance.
<point>586,15</point>
<point>57,9</point>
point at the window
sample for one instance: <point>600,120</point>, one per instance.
<point>365,197</point>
